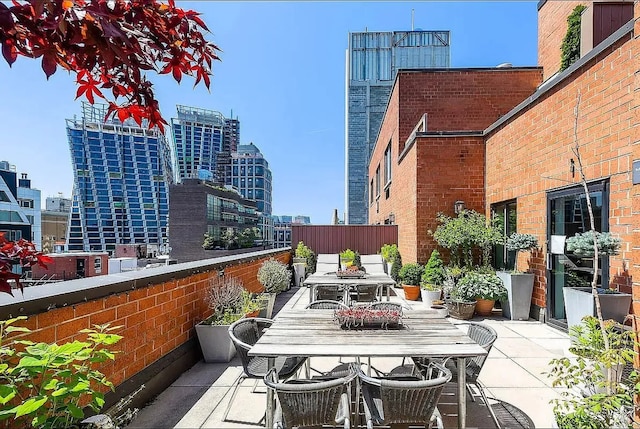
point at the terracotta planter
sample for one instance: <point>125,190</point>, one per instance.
<point>253,314</point>
<point>484,306</point>
<point>411,292</point>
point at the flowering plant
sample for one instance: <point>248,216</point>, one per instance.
<point>363,316</point>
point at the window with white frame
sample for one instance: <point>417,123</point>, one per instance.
<point>387,165</point>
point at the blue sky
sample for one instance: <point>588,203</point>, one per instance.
<point>282,74</point>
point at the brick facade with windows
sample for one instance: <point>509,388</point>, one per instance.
<point>443,161</point>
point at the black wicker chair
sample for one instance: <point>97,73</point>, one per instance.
<point>245,333</point>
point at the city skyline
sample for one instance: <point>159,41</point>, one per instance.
<point>282,74</point>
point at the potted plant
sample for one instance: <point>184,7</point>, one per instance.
<point>228,301</point>
<point>485,288</point>
<point>396,265</point>
<point>410,276</point>
<point>579,301</point>
<point>304,262</point>
<point>597,391</point>
<point>347,258</point>
<point>459,304</point>
<point>432,278</point>
<point>389,253</point>
<point>275,277</point>
<point>519,285</point>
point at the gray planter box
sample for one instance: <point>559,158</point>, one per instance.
<point>270,299</point>
<point>579,302</point>
<point>215,342</point>
<point>299,269</point>
<point>519,289</point>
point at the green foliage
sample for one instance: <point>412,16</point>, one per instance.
<point>521,243</point>
<point>582,244</point>
<point>410,274</point>
<point>396,265</point>
<point>348,255</point>
<point>225,298</point>
<point>605,397</point>
<point>303,251</point>
<point>482,285</point>
<point>466,233</point>
<point>274,276</point>
<point>210,242</point>
<point>247,238</point>
<point>430,286</point>
<point>389,252</point>
<point>570,48</point>
<point>434,270</point>
<point>47,385</point>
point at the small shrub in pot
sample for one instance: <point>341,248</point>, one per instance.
<point>274,276</point>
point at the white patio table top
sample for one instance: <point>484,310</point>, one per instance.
<point>314,333</point>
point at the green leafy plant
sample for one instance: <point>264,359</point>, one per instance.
<point>482,285</point>
<point>570,48</point>
<point>604,397</point>
<point>389,252</point>
<point>521,243</point>
<point>434,270</point>
<point>465,233</point>
<point>411,274</point>
<point>303,251</point>
<point>430,286</point>
<point>396,266</point>
<point>47,385</point>
<point>583,244</point>
<point>348,255</point>
<point>274,276</point>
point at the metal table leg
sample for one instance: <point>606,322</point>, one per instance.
<point>462,393</point>
<point>271,362</point>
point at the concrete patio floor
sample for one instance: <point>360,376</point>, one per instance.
<point>512,373</point>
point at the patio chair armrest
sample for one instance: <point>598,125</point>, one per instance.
<point>343,415</point>
<point>436,418</point>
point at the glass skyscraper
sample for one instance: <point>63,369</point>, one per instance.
<point>251,176</point>
<point>373,58</point>
<point>198,140</point>
<point>121,176</point>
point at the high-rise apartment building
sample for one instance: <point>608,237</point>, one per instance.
<point>14,220</point>
<point>251,176</point>
<point>121,176</point>
<point>197,139</point>
<point>373,58</point>
<point>230,140</point>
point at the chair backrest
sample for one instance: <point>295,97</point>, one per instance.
<point>328,258</point>
<point>485,336</point>
<point>326,304</point>
<point>245,333</point>
<point>325,267</point>
<point>404,400</point>
<point>330,292</point>
<point>371,259</point>
<point>367,292</point>
<point>312,403</point>
<point>374,268</point>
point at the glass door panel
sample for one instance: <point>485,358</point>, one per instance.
<point>567,216</point>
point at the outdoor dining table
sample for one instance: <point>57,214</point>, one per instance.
<point>381,279</point>
<point>313,333</point>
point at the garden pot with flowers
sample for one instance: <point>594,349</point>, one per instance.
<point>486,288</point>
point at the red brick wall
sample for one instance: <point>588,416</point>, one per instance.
<point>635,141</point>
<point>454,100</point>
<point>449,169</point>
<point>552,27</point>
<point>155,319</point>
<point>531,153</point>
<point>460,99</point>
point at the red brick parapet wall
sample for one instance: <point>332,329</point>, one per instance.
<point>157,308</point>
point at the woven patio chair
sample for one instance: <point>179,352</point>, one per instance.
<point>409,400</point>
<point>245,333</point>
<point>326,304</point>
<point>312,402</point>
<point>485,336</point>
<point>382,305</point>
<point>365,292</point>
<point>330,292</point>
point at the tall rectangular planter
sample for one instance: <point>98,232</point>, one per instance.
<point>519,289</point>
<point>579,302</point>
<point>215,342</point>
